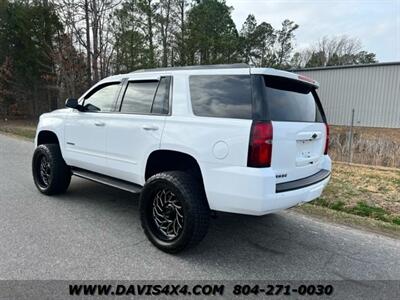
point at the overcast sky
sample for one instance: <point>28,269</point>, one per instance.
<point>375,22</point>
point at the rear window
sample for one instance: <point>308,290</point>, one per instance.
<point>222,96</point>
<point>291,100</point>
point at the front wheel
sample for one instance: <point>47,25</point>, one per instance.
<point>174,211</point>
<point>50,173</point>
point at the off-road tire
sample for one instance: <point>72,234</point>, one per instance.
<point>59,176</point>
<point>196,213</point>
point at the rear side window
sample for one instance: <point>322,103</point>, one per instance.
<point>222,96</point>
<point>138,97</point>
<point>161,100</point>
<point>291,100</point>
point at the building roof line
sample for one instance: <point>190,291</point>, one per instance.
<point>393,63</point>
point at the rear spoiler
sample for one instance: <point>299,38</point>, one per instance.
<point>279,73</point>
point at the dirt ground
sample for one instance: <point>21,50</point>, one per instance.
<point>363,190</point>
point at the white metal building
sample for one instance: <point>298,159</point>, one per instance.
<point>373,91</point>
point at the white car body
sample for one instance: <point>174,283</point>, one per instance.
<point>119,145</point>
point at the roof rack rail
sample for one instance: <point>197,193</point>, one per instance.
<point>196,67</point>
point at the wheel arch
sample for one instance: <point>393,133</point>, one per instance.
<point>162,160</point>
<point>47,137</point>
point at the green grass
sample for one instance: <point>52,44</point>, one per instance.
<point>364,210</point>
<point>24,132</point>
<point>361,209</point>
<point>363,191</point>
<point>348,219</point>
<point>396,181</point>
<point>338,205</point>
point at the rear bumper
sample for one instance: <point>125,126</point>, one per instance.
<point>255,192</point>
<point>302,183</point>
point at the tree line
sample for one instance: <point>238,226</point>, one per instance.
<point>52,49</point>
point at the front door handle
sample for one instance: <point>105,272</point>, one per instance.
<point>100,124</point>
<point>150,127</point>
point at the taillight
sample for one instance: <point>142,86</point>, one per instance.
<point>260,146</point>
<point>326,139</point>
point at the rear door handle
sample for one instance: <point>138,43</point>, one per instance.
<point>100,124</point>
<point>150,127</point>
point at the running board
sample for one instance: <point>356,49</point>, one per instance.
<point>107,180</point>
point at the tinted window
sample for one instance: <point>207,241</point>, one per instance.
<point>161,100</point>
<point>138,97</point>
<point>290,100</point>
<point>224,96</point>
<point>102,99</point>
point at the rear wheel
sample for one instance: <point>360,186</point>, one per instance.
<point>174,211</point>
<point>50,173</point>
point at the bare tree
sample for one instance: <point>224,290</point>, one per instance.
<point>178,30</point>
<point>88,56</point>
<point>164,22</point>
<point>6,82</point>
<point>339,50</point>
<point>89,23</point>
<point>70,68</point>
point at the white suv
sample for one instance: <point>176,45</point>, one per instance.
<point>192,139</point>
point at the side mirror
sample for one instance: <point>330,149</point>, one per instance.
<point>73,103</point>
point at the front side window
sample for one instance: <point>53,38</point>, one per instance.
<point>139,97</point>
<point>223,96</point>
<point>102,98</point>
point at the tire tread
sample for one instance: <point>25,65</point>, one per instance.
<point>194,194</point>
<point>60,171</point>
